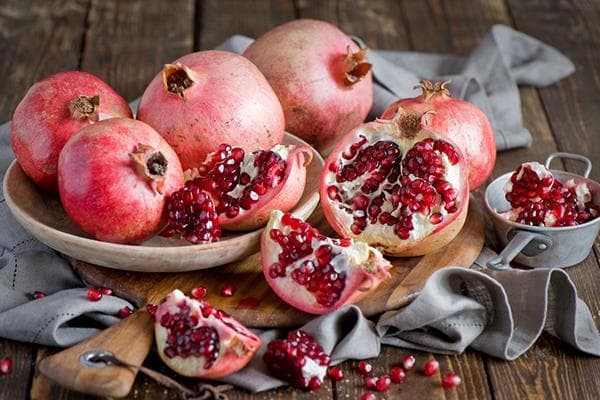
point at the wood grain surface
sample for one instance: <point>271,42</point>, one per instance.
<point>112,38</point>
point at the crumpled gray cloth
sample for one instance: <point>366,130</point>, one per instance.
<point>487,77</point>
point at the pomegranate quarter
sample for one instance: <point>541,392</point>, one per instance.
<point>396,186</point>
<point>197,340</point>
<point>314,273</point>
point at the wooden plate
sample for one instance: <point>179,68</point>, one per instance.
<point>43,216</point>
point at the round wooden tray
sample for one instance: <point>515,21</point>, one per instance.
<point>43,215</point>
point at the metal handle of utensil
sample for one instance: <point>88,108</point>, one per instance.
<point>571,156</point>
<point>519,241</point>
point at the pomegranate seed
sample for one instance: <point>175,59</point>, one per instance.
<point>365,368</point>
<point>383,383</point>
<point>125,312</point>
<point>368,396</point>
<point>94,294</point>
<point>450,380</point>
<point>397,375</point>
<point>431,367</point>
<point>6,366</point>
<point>371,383</point>
<point>314,383</point>
<point>38,295</point>
<point>228,290</point>
<point>105,291</point>
<point>336,373</point>
<point>199,292</point>
<point>151,309</point>
<point>408,362</point>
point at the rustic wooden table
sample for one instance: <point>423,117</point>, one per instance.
<point>126,43</point>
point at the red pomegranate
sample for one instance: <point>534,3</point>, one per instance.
<point>114,177</point>
<point>462,122</point>
<point>538,199</point>
<point>53,110</point>
<point>320,76</point>
<point>197,340</point>
<point>207,98</point>
<point>314,273</point>
<point>396,186</point>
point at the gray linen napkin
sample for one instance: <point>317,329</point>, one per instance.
<point>490,322</point>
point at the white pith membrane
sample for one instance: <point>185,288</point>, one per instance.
<point>345,258</point>
<point>382,234</point>
<point>229,332</point>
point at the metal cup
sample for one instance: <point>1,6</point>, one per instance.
<point>541,247</point>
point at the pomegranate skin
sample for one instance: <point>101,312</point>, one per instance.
<point>304,61</point>
<point>228,100</point>
<point>44,120</point>
<point>461,121</point>
<point>103,189</point>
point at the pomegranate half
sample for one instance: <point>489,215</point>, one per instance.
<point>207,98</point>
<point>53,110</point>
<point>396,186</point>
<point>320,76</point>
<point>114,178</point>
<point>461,121</point>
<point>197,340</point>
<point>314,273</point>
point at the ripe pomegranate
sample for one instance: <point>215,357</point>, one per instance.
<point>396,186</point>
<point>53,110</point>
<point>197,340</point>
<point>246,187</point>
<point>298,359</point>
<point>538,199</point>
<point>461,121</point>
<point>211,97</point>
<point>314,273</point>
<point>114,178</point>
<point>320,76</point>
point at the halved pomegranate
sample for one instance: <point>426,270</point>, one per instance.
<point>396,186</point>
<point>246,187</point>
<point>195,339</point>
<point>538,199</point>
<point>314,273</point>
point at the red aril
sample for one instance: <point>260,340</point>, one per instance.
<point>365,368</point>
<point>199,292</point>
<point>228,290</point>
<point>114,178</point>
<point>396,186</point>
<point>320,76</point>
<point>430,367</point>
<point>314,273</point>
<point>53,110</point>
<point>408,362</point>
<point>397,375</point>
<point>94,294</point>
<point>6,366</point>
<point>298,359</point>
<point>461,121</point>
<point>336,374</point>
<point>368,396</point>
<point>371,382</point>
<point>207,98</point>
<point>125,312</point>
<point>197,340</point>
<point>38,295</point>
<point>450,380</point>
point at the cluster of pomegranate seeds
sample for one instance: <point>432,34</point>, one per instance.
<point>125,312</point>
<point>336,374</point>
<point>186,338</point>
<point>228,290</point>
<point>298,359</point>
<point>224,175</point>
<point>317,274</point>
<point>411,184</point>
<point>191,213</point>
<point>199,292</point>
<point>38,295</point>
<point>538,199</point>
<point>6,366</point>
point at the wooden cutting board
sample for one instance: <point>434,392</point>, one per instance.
<point>253,303</point>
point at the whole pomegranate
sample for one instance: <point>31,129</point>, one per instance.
<point>320,76</point>
<point>298,359</point>
<point>207,98</point>
<point>538,199</point>
<point>53,110</point>
<point>462,122</point>
<point>396,186</point>
<point>114,178</point>
<point>197,340</point>
<point>314,273</point>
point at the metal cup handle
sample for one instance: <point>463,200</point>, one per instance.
<point>519,241</point>
<point>578,157</point>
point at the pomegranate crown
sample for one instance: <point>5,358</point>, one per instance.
<point>433,89</point>
<point>411,122</point>
<point>151,165</point>
<point>177,78</point>
<point>85,107</point>
<point>356,66</point>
